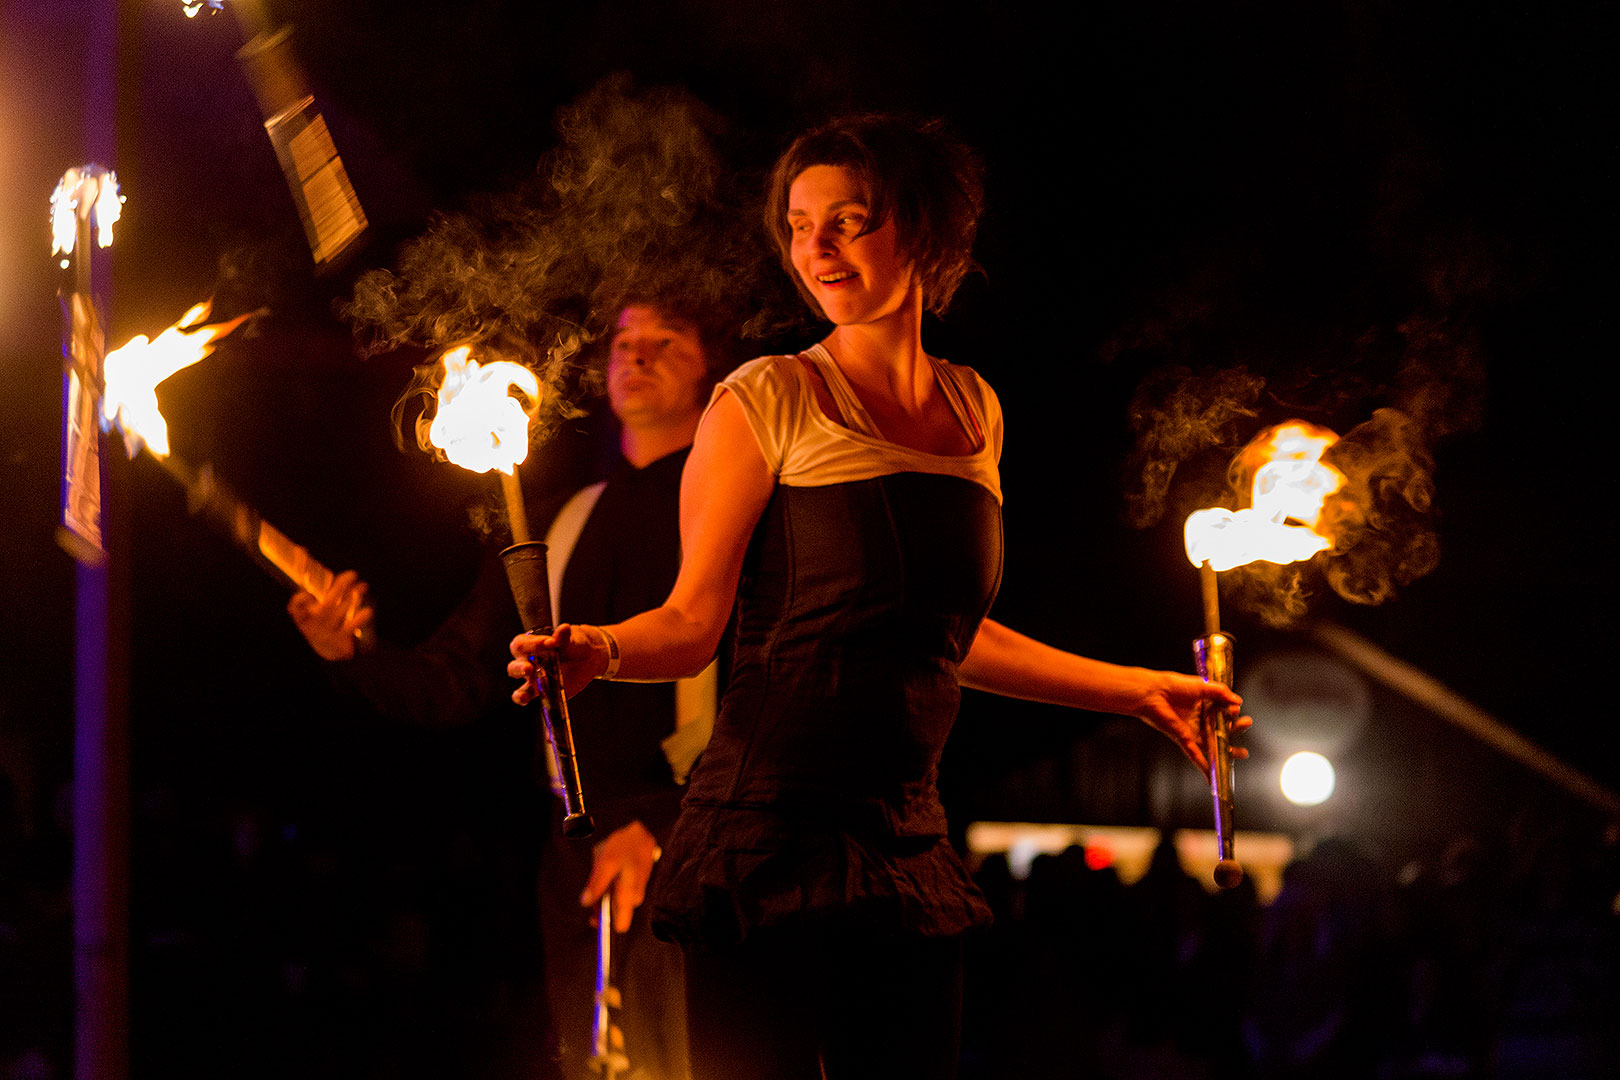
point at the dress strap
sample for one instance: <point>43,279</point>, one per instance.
<point>959,403</point>
<point>854,413</point>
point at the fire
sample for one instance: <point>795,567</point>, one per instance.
<point>134,371</point>
<point>480,425</point>
<point>89,192</point>
<point>1291,483</point>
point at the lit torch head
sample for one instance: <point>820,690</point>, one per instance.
<point>87,193</point>
<point>1290,484</point>
<point>133,372</point>
<point>479,423</point>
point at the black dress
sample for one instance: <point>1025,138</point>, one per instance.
<point>815,805</point>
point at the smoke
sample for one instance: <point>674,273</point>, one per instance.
<point>1176,416</point>
<point>634,202</point>
<point>1384,521</point>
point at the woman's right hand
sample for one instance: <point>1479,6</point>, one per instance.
<point>581,653</point>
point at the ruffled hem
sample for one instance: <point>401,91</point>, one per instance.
<point>729,871</point>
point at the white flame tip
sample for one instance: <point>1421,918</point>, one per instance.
<point>479,425</point>
<point>1291,485</point>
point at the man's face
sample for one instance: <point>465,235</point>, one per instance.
<point>656,368</point>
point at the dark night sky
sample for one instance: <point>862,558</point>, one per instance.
<point>1273,184</point>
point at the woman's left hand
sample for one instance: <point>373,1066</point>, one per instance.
<point>1171,704</point>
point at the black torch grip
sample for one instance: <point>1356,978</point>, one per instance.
<point>527,574</point>
<point>1213,653</point>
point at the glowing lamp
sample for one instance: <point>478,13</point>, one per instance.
<point>1307,779</point>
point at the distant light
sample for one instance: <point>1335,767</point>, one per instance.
<point>1307,779</point>
<point>1021,858</point>
<point>1098,857</point>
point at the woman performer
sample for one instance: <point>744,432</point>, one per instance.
<point>847,503</point>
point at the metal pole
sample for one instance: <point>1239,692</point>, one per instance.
<point>100,699</point>
<point>1452,707</point>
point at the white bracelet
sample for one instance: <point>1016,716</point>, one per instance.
<point>613,654</point>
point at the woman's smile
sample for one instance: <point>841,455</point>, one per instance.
<point>856,271</point>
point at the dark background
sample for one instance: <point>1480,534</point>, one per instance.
<point>1268,184</point>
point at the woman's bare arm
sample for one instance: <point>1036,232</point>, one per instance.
<point>1006,662</point>
<point>724,490</point>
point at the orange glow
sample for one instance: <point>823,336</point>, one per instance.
<point>132,374</point>
<point>480,425</point>
<point>1291,482</point>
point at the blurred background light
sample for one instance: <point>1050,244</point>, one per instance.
<point>1307,779</point>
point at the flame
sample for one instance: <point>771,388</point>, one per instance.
<point>1291,483</point>
<point>133,372</point>
<point>88,192</point>
<point>479,424</point>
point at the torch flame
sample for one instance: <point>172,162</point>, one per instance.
<point>88,192</point>
<point>1291,482</point>
<point>479,424</point>
<point>134,371</point>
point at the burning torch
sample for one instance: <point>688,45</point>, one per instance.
<point>481,426</point>
<point>85,204</point>
<point>129,403</point>
<point>1290,485</point>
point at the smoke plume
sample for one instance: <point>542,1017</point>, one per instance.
<point>1190,426</point>
<point>633,202</point>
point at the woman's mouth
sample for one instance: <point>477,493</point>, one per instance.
<point>837,277</point>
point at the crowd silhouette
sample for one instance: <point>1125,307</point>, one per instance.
<point>392,937</point>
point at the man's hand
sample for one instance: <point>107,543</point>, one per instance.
<point>331,623</point>
<point>622,862</point>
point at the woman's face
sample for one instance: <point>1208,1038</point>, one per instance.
<point>856,279</point>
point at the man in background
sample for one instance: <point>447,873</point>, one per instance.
<point>614,550</point>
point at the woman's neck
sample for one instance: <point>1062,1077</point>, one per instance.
<point>886,354</point>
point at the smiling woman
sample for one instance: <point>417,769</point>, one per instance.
<point>925,184</point>
<point>852,268</point>
<point>841,520</point>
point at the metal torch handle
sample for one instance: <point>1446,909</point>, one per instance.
<point>1213,653</point>
<point>560,744</point>
<point>607,1040</point>
<point>526,573</point>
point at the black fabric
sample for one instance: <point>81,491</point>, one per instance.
<point>454,677</point>
<point>625,561</point>
<point>826,1006</point>
<point>816,799</point>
